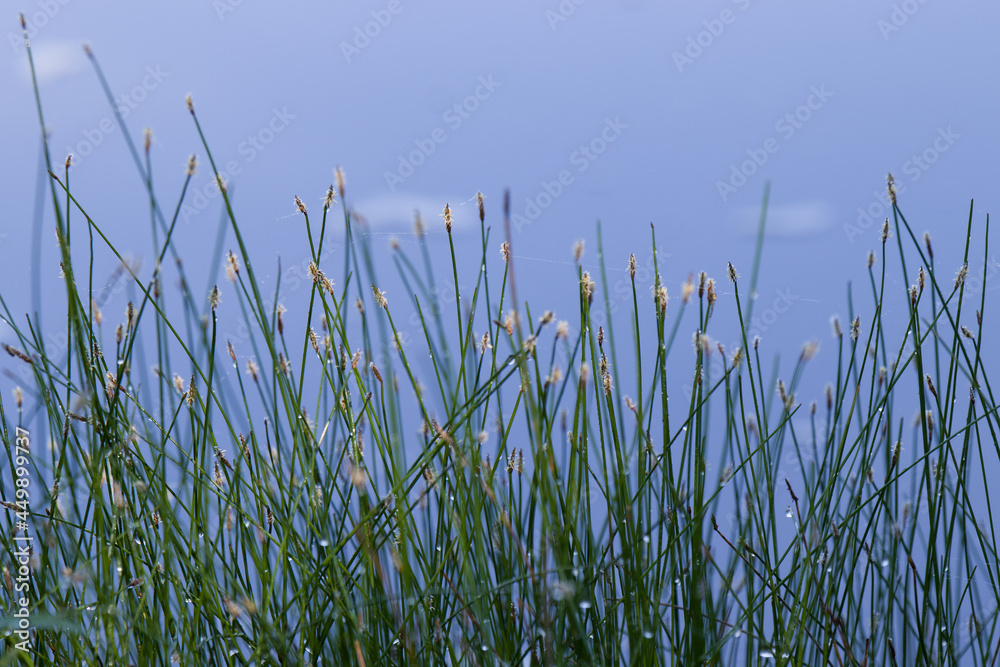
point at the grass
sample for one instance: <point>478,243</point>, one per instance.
<point>289,513</point>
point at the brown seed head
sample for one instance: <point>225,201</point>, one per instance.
<point>379,297</point>
<point>482,208</point>
<point>300,205</point>
<point>447,218</point>
<point>688,289</point>
<point>588,285</point>
<point>192,165</point>
<point>340,181</point>
<point>960,276</point>
<point>631,265</point>
<point>232,267</point>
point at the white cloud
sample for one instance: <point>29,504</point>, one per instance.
<point>396,211</point>
<point>797,219</point>
<point>54,60</point>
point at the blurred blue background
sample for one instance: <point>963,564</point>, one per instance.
<point>628,111</point>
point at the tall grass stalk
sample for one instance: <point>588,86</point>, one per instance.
<point>553,508</point>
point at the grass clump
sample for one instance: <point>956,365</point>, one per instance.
<point>280,508</point>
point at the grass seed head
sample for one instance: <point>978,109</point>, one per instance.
<point>578,250</point>
<point>379,297</point>
<point>252,369</point>
<point>961,275</point>
<point>688,288</point>
<point>339,174</point>
<point>890,186</point>
<point>447,218</point>
<point>588,286</point>
<point>232,267</point>
<point>482,207</point>
<point>631,265</point>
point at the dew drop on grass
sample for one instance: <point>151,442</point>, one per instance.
<point>885,562</point>
<point>788,512</point>
<point>585,605</point>
<point>324,543</point>
<point>233,652</point>
<point>647,634</point>
<point>764,653</point>
<point>645,538</point>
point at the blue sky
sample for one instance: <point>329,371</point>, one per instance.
<point>628,111</point>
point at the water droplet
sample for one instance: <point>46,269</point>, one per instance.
<point>324,543</point>
<point>647,634</point>
<point>645,538</point>
<point>585,605</point>
<point>788,512</point>
<point>764,653</point>
<point>885,562</point>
